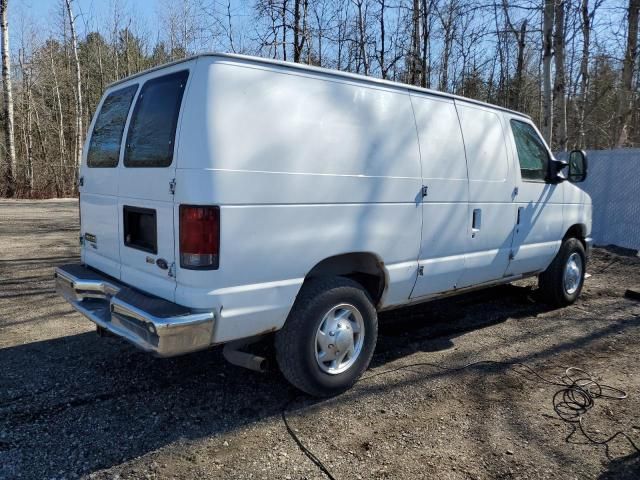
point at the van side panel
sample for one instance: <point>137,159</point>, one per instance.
<point>445,226</point>
<point>491,194</point>
<point>304,167</point>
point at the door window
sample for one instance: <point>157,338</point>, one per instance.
<point>151,136</point>
<point>532,153</point>
<point>104,147</point>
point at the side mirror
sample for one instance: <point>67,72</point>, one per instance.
<point>577,166</point>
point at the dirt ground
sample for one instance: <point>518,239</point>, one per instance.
<point>73,404</point>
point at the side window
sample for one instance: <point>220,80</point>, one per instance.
<point>104,146</point>
<point>152,131</point>
<point>532,154</point>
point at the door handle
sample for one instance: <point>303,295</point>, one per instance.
<point>520,210</point>
<point>476,222</point>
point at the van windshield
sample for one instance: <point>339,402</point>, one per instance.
<point>104,147</point>
<point>152,131</point>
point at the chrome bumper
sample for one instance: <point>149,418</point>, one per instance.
<point>150,323</point>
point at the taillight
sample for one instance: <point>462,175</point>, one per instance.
<point>199,237</point>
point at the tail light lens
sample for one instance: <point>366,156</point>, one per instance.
<point>199,237</point>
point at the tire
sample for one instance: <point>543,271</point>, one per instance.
<point>298,344</point>
<point>555,288</point>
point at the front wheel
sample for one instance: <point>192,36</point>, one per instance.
<point>329,337</point>
<point>562,282</point>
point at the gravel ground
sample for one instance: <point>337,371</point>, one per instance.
<point>73,404</point>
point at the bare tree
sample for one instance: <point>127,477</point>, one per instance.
<point>10,169</point>
<point>521,39</point>
<point>414,54</point>
<point>78,87</point>
<point>300,9</point>
<point>559,87</point>
<point>426,50</point>
<point>547,35</point>
<point>362,36</point>
<point>27,119</point>
<point>625,93</point>
<point>585,27</point>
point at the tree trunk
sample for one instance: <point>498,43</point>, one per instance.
<point>559,87</point>
<point>61,141</point>
<point>297,50</point>
<point>362,40</point>
<point>547,31</point>
<point>9,136</point>
<point>27,122</point>
<point>521,37</point>
<point>447,26</point>
<point>625,93</point>
<point>383,70</point>
<point>284,30</point>
<point>584,71</point>
<point>426,53</point>
<point>78,109</point>
<point>414,55</point>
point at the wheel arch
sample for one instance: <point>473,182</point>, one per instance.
<point>577,230</point>
<point>366,268</point>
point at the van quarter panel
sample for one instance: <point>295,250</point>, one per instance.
<point>304,167</point>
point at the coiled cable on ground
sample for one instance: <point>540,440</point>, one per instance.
<point>577,394</point>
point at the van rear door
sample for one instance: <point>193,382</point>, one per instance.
<point>146,184</point>
<point>99,223</point>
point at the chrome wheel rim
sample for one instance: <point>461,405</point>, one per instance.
<point>339,339</point>
<point>572,273</point>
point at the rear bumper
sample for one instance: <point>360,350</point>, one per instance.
<point>150,323</point>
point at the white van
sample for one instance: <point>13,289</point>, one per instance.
<point>225,197</point>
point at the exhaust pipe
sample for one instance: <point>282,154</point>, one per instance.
<point>233,355</point>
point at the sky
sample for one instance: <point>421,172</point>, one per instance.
<point>146,8</point>
<point>97,15</point>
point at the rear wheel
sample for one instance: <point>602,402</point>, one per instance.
<point>329,337</point>
<point>562,282</point>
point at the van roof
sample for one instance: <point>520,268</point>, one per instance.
<point>323,71</point>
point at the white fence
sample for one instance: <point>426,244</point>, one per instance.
<point>613,181</point>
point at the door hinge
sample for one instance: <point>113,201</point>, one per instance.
<point>172,270</point>
<point>511,255</point>
<point>172,186</point>
<point>425,191</point>
<point>81,181</point>
<point>421,270</point>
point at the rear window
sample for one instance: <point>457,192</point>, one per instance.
<point>152,131</point>
<point>104,147</point>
